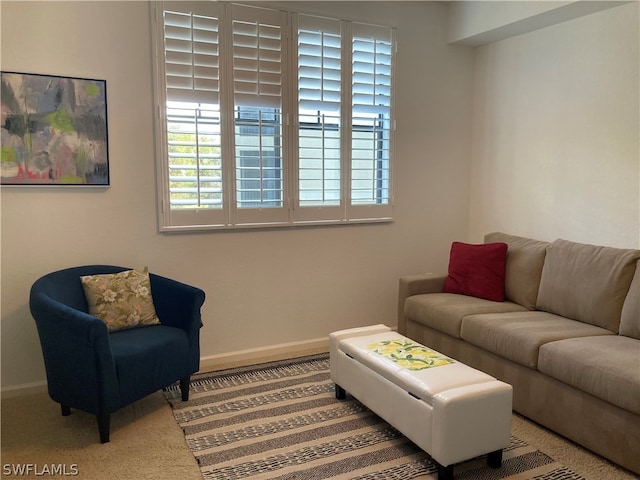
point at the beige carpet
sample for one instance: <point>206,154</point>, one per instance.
<point>146,443</point>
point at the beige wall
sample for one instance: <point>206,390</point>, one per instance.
<point>544,123</point>
<point>555,150</point>
<point>473,22</point>
<point>264,287</point>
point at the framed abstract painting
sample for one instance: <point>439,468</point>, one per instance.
<point>53,130</point>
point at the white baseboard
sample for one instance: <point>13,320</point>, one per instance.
<point>24,389</point>
<point>271,353</point>
<point>212,363</point>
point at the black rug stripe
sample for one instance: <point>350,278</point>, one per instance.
<point>185,415</point>
<point>243,375</point>
<point>310,362</point>
<point>266,413</point>
<point>385,431</point>
<point>257,428</point>
<point>356,462</point>
<point>322,451</point>
<point>220,393</point>
<point>511,466</point>
<point>561,473</point>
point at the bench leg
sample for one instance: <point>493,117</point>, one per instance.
<point>341,393</point>
<point>494,459</point>
<point>445,473</point>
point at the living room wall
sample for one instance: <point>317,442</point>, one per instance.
<point>556,147</point>
<point>288,287</point>
<point>545,123</point>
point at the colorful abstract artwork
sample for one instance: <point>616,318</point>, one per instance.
<point>54,130</point>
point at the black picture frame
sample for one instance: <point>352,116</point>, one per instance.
<point>54,130</point>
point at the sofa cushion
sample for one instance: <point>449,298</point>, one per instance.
<point>630,320</point>
<point>477,270</point>
<point>607,367</point>
<point>517,336</point>
<point>444,311</point>
<point>121,300</point>
<point>142,361</point>
<point>586,282</point>
<point>525,258</point>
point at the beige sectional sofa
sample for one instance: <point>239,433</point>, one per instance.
<point>567,337</point>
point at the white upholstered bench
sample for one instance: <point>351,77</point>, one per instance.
<point>450,410</point>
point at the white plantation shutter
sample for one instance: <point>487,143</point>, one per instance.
<point>319,55</point>
<point>257,56</point>
<point>319,64</point>
<point>191,51</point>
<point>259,63</point>
<point>370,182</point>
<point>270,118</point>
<point>194,174</point>
<point>371,74</point>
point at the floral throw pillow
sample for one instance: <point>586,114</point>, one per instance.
<point>121,300</point>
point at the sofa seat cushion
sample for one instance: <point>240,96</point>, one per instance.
<point>146,363</point>
<point>517,336</point>
<point>607,367</point>
<point>444,311</point>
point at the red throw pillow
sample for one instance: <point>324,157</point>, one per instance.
<point>477,270</point>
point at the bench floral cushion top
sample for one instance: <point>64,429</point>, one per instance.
<point>409,355</point>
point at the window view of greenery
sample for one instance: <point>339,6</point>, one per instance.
<point>195,160</point>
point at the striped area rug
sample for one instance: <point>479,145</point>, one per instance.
<point>281,421</point>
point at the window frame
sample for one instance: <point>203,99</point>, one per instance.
<point>291,211</point>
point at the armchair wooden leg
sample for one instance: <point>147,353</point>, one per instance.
<point>104,422</point>
<point>184,388</point>
<point>66,411</point>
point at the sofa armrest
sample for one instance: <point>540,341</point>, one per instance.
<point>416,285</point>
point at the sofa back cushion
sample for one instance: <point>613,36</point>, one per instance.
<point>588,283</point>
<point>630,321</point>
<point>525,258</point>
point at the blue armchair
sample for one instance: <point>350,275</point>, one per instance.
<point>91,369</point>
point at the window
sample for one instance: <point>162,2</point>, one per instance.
<point>319,56</point>
<point>269,118</point>
<point>259,175</point>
